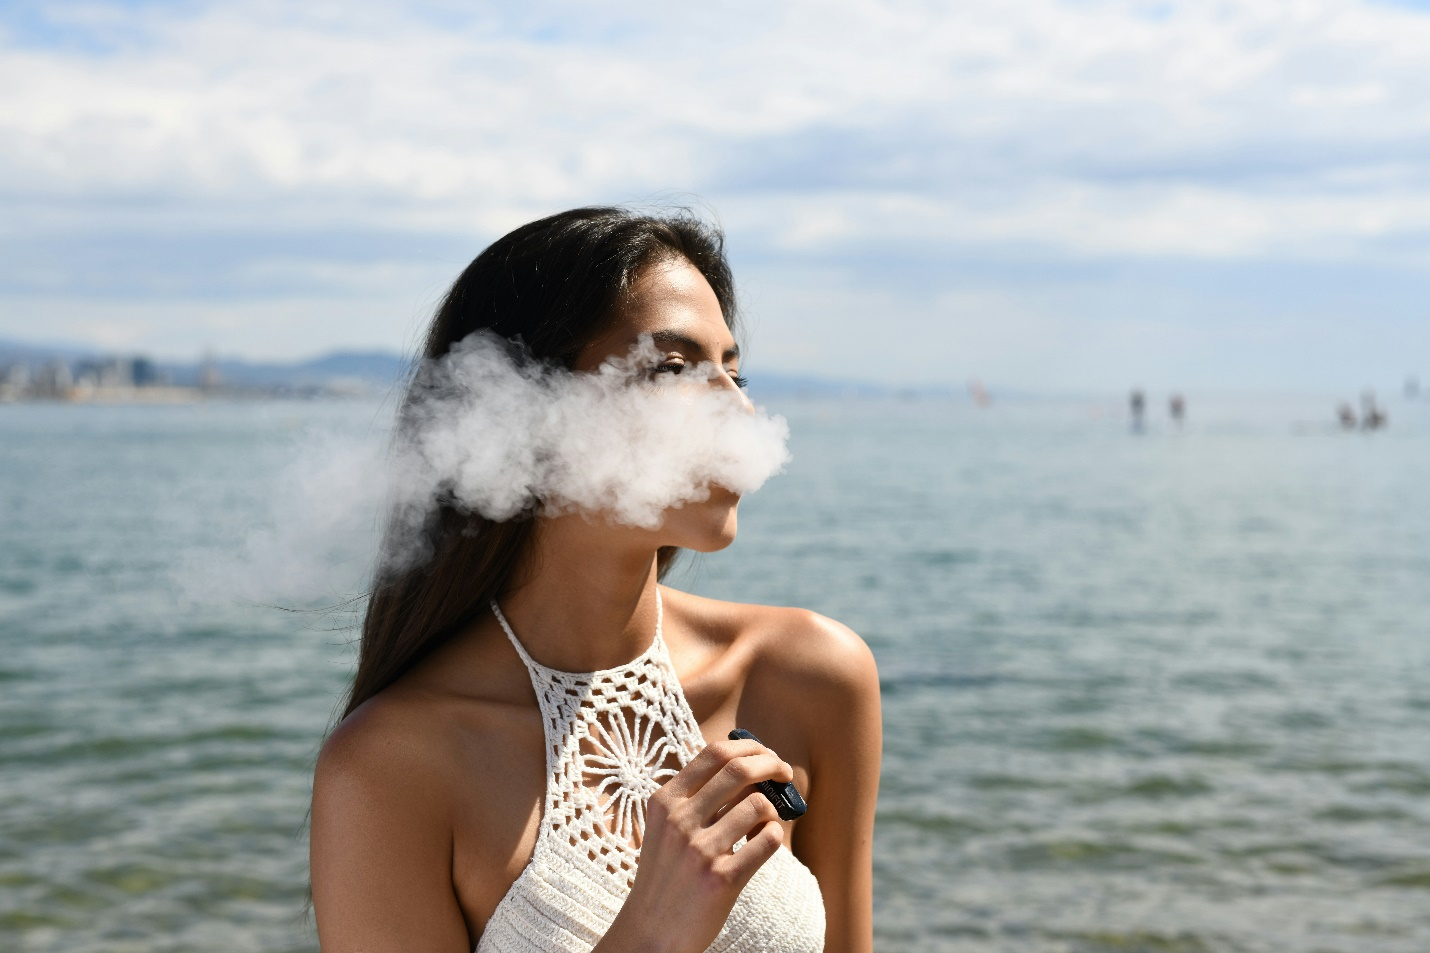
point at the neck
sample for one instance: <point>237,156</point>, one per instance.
<point>581,604</point>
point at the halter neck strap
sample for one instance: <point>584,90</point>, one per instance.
<point>534,665</point>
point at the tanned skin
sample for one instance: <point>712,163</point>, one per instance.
<point>428,797</point>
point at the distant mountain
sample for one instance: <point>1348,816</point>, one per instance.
<point>367,365</point>
<point>14,351</point>
<point>764,384</point>
<point>794,385</point>
<point>350,371</point>
<point>376,371</point>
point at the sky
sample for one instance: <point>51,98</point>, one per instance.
<point>1043,195</point>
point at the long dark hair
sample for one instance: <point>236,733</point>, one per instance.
<point>553,285</point>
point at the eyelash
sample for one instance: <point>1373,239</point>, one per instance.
<point>740,382</point>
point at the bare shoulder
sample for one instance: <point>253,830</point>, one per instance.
<point>423,730</point>
<point>385,811</point>
<point>421,798</point>
<point>787,652</point>
<point>798,643</point>
<point>391,748</point>
<point>804,648</point>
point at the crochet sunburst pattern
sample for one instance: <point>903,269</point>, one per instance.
<point>613,737</point>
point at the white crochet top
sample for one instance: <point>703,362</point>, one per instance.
<point>612,738</point>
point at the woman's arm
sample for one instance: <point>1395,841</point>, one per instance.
<point>381,844</point>
<point>845,730</point>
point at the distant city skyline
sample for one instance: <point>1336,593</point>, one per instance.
<point>1042,195</point>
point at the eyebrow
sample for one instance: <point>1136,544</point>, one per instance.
<point>680,342</point>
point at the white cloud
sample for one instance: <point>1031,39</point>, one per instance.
<point>1098,112</point>
<point>278,327</point>
<point>1261,129</point>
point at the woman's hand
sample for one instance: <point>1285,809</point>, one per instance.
<point>689,874</point>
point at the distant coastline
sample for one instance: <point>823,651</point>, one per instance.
<point>32,371</point>
<point>74,374</point>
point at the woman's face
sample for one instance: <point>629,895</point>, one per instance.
<point>674,304</point>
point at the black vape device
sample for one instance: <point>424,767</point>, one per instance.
<point>785,797</point>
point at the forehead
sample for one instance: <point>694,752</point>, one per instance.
<point>671,296</point>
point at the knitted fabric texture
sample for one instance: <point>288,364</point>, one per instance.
<point>612,738</point>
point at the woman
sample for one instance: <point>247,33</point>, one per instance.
<point>478,793</point>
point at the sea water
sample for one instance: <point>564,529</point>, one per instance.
<point>1156,691</point>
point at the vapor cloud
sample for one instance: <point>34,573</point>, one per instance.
<point>495,433</point>
<point>502,436</point>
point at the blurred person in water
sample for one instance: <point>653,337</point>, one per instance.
<point>535,751</point>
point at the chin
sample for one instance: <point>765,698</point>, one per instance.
<point>704,527</point>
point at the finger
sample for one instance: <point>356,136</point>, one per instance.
<point>737,774</point>
<point>734,802</point>
<point>760,847</point>
<point>708,763</point>
<point>743,819</point>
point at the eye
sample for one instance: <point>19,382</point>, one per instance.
<point>739,381</point>
<point>670,367</point>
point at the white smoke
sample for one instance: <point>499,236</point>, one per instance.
<point>501,435</point>
<point>495,433</point>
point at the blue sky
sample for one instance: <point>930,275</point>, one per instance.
<point>1044,195</point>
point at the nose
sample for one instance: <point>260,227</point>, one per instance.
<point>723,381</point>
